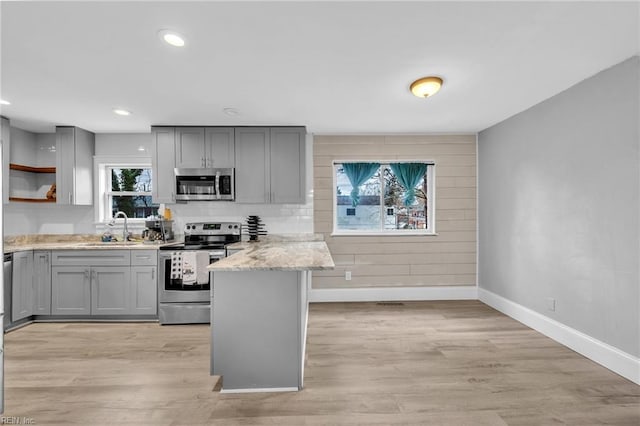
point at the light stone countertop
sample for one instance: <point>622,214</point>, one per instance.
<point>274,255</point>
<point>19,243</point>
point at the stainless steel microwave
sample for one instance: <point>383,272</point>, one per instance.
<point>205,184</point>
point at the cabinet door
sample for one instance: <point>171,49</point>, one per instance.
<point>5,133</point>
<point>252,165</point>
<point>190,151</point>
<point>110,287</point>
<point>70,290</point>
<point>220,147</point>
<point>22,286</point>
<point>42,283</point>
<point>288,174</point>
<point>74,166</point>
<point>144,290</point>
<point>162,164</point>
<point>83,168</point>
<point>65,159</point>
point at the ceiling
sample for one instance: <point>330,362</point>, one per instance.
<point>336,67</point>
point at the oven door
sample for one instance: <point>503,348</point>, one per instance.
<point>171,290</point>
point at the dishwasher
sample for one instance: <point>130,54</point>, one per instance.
<point>8,278</point>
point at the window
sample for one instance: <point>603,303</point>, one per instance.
<point>127,188</point>
<point>384,198</point>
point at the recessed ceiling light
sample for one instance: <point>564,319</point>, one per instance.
<point>171,37</point>
<point>3,102</point>
<point>426,86</point>
<point>231,111</point>
<point>121,111</point>
<point>141,148</point>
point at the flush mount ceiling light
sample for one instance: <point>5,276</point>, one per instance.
<point>426,86</point>
<point>171,37</point>
<point>120,111</point>
<point>3,102</point>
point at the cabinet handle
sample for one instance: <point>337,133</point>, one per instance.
<point>153,274</point>
<point>70,198</point>
<point>86,273</point>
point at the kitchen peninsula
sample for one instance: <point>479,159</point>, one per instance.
<point>259,313</point>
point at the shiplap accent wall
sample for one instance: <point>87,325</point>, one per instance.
<point>445,259</point>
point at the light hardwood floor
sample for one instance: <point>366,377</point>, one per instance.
<point>420,363</point>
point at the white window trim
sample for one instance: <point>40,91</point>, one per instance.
<point>395,232</point>
<point>100,164</point>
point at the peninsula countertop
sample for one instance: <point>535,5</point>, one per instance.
<point>277,255</point>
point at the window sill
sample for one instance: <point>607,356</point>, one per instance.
<point>383,234</point>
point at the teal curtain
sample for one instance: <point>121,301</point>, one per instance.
<point>409,175</point>
<point>358,174</point>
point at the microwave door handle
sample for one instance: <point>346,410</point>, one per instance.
<point>218,185</point>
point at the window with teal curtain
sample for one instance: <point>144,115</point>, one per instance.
<point>358,174</point>
<point>409,175</point>
<point>378,198</point>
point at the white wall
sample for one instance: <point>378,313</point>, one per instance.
<point>559,207</point>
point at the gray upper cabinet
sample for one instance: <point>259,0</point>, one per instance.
<point>22,286</point>
<point>5,133</point>
<point>162,164</point>
<point>252,165</point>
<point>42,282</point>
<point>270,165</point>
<point>190,147</point>
<point>287,155</point>
<point>75,148</point>
<point>219,147</point>
<point>200,147</point>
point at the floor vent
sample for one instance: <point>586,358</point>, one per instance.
<point>390,303</point>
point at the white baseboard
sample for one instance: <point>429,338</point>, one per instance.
<point>256,390</point>
<point>379,294</point>
<point>614,359</point>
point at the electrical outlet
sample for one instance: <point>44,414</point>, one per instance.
<point>347,275</point>
<point>551,304</point>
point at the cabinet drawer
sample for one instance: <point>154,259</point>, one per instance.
<point>144,257</point>
<point>91,258</point>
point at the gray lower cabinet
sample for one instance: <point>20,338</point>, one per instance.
<point>110,286</point>
<point>104,282</point>
<point>143,295</point>
<point>42,282</point>
<point>70,290</point>
<point>22,286</point>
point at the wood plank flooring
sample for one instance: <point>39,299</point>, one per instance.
<point>420,363</point>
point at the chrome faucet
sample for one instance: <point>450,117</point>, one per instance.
<point>125,230</point>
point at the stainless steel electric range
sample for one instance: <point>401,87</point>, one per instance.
<point>181,303</point>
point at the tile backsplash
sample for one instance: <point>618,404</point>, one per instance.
<point>20,219</point>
